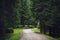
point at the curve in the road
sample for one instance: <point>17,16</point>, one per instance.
<point>28,34</point>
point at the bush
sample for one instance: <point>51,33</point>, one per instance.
<point>9,30</point>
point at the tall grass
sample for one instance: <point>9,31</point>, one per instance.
<point>36,30</point>
<point>16,35</point>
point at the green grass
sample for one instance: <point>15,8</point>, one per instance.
<point>36,30</point>
<point>16,35</point>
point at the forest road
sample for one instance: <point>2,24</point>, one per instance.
<point>28,34</point>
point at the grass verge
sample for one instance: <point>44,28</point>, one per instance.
<point>36,30</point>
<point>16,35</point>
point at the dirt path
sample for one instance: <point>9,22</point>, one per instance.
<point>30,35</point>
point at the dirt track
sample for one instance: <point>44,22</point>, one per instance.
<point>28,34</point>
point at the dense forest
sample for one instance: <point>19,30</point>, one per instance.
<point>14,13</point>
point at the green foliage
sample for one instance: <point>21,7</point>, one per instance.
<point>29,12</point>
<point>16,35</point>
<point>9,30</point>
<point>36,30</point>
<point>47,12</point>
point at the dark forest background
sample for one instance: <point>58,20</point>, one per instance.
<point>18,13</point>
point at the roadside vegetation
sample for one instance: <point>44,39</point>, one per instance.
<point>36,30</point>
<point>16,35</point>
<point>29,13</point>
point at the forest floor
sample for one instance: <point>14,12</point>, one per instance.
<point>28,34</point>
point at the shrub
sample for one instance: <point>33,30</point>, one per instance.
<point>9,30</point>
